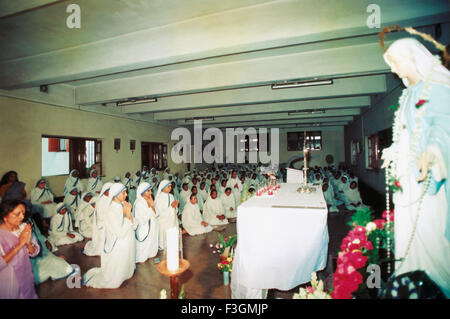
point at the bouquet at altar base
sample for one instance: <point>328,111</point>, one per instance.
<point>315,291</point>
<point>362,246</point>
<point>224,246</point>
<point>226,265</point>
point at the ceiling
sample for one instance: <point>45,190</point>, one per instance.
<point>204,59</point>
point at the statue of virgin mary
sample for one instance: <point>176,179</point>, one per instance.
<point>419,160</point>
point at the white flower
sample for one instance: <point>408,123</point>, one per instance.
<point>163,294</point>
<point>371,226</point>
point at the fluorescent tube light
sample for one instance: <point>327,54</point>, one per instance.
<point>135,101</point>
<point>300,84</point>
<point>307,112</point>
<point>206,118</point>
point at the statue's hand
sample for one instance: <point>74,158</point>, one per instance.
<point>424,162</point>
<point>431,159</point>
<point>386,157</point>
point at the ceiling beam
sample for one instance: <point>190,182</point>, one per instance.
<point>279,116</point>
<point>267,25</point>
<point>8,7</point>
<point>256,124</point>
<point>361,59</point>
<point>328,104</point>
<point>264,94</point>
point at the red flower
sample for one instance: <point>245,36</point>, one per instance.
<point>355,240</point>
<point>345,281</point>
<point>224,262</point>
<point>380,223</point>
<point>420,103</point>
<point>397,184</point>
<point>354,258</point>
<point>391,215</point>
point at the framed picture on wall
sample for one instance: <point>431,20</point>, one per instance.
<point>354,151</point>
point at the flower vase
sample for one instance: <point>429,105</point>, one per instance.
<point>226,278</point>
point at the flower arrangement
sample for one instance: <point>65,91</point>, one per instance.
<point>315,291</point>
<point>226,265</point>
<point>360,247</point>
<point>224,245</point>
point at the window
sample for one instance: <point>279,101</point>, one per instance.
<point>295,140</point>
<point>374,146</point>
<point>154,155</point>
<point>251,143</point>
<point>60,155</point>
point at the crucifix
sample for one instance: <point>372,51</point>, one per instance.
<point>305,157</point>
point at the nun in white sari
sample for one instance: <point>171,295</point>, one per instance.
<point>147,231</point>
<point>118,259</point>
<point>61,229</point>
<point>135,181</point>
<point>95,183</point>
<point>43,199</point>
<point>192,219</point>
<point>353,199</point>
<point>72,201</point>
<point>86,218</point>
<point>94,247</point>
<point>73,181</point>
<point>184,196</point>
<point>213,211</point>
<point>229,203</point>
<point>167,207</point>
<point>329,198</point>
<point>84,202</point>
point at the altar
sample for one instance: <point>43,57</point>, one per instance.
<point>282,239</point>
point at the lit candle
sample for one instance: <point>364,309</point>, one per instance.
<point>172,249</point>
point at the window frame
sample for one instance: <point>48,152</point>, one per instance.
<point>76,161</point>
<point>297,138</point>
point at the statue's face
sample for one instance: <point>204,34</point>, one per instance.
<point>401,67</point>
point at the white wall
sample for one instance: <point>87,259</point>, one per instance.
<point>22,124</point>
<point>376,118</point>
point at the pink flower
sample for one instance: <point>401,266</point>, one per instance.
<point>391,215</point>
<point>214,252</point>
<point>211,245</point>
<point>397,184</point>
<point>380,223</point>
<point>310,290</point>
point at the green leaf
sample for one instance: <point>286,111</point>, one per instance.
<point>181,294</point>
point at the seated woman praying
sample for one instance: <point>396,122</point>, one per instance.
<point>229,204</point>
<point>46,265</point>
<point>95,183</point>
<point>72,201</point>
<point>73,181</point>
<point>200,200</point>
<point>94,247</point>
<point>118,259</point>
<point>147,219</point>
<point>61,227</point>
<point>213,211</point>
<point>17,245</point>
<point>353,199</point>
<point>192,219</point>
<point>84,202</point>
<point>329,198</point>
<point>42,199</point>
<point>86,217</point>
<point>11,188</point>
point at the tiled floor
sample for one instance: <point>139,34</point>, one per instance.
<point>202,280</point>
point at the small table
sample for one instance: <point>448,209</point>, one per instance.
<point>162,268</point>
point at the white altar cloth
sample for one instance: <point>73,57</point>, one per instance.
<point>281,240</point>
